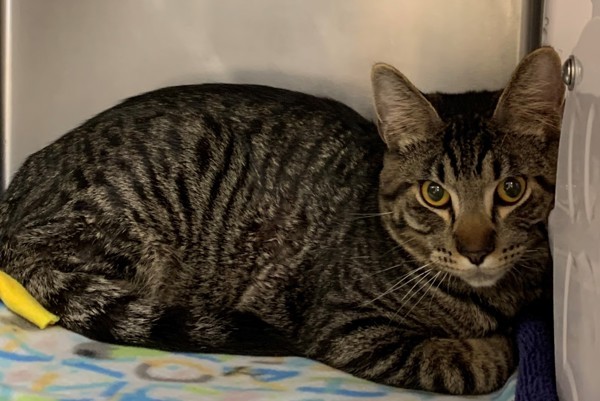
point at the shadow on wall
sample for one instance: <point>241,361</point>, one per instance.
<point>347,92</point>
<point>72,59</point>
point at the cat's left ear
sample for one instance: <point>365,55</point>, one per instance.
<point>404,116</point>
<point>532,103</point>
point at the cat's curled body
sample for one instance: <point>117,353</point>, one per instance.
<point>236,218</point>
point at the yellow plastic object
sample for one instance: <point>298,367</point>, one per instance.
<point>17,299</point>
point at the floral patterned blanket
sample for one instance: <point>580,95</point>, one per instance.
<point>57,365</point>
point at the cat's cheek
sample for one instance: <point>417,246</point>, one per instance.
<point>416,225</point>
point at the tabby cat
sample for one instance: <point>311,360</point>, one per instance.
<point>249,219</point>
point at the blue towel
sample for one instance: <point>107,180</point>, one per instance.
<point>535,340</point>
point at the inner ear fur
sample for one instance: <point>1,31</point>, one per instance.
<point>404,115</point>
<point>532,102</point>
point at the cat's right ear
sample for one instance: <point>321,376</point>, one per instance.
<point>404,116</point>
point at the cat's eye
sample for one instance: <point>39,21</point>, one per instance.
<point>511,190</point>
<point>434,194</point>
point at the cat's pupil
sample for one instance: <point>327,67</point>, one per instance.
<point>435,192</point>
<point>512,188</point>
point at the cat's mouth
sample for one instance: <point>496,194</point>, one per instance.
<point>480,277</point>
<point>484,274</point>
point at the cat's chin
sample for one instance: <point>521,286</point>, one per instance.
<point>481,279</point>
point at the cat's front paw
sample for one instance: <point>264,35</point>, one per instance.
<point>465,366</point>
<point>441,365</point>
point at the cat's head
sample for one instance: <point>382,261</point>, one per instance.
<point>469,192</point>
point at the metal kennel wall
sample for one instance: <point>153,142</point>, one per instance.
<point>66,60</point>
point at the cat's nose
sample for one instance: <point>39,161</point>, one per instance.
<point>477,256</point>
<point>476,251</point>
<point>475,237</point>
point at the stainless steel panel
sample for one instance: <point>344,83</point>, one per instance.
<point>65,60</point>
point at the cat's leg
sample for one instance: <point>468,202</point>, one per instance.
<point>117,310</point>
<point>444,365</point>
<point>113,286</point>
<point>108,282</point>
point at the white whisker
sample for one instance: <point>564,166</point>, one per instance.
<point>444,277</point>
<point>400,283</point>
<point>358,216</point>
<point>412,293</point>
<point>423,276</point>
<point>398,265</point>
<point>427,289</point>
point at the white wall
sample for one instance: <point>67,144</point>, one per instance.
<point>69,59</point>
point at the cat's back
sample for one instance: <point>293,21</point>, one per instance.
<point>177,121</point>
<point>188,146</point>
<point>232,106</point>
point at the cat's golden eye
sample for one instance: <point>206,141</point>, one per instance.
<point>511,190</point>
<point>434,194</point>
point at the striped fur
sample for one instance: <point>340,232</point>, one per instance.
<point>248,219</point>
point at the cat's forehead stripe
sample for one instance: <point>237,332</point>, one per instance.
<point>449,151</point>
<point>440,172</point>
<point>466,147</point>
<point>497,168</point>
<point>484,148</point>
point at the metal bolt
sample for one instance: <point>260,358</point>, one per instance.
<point>571,72</point>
